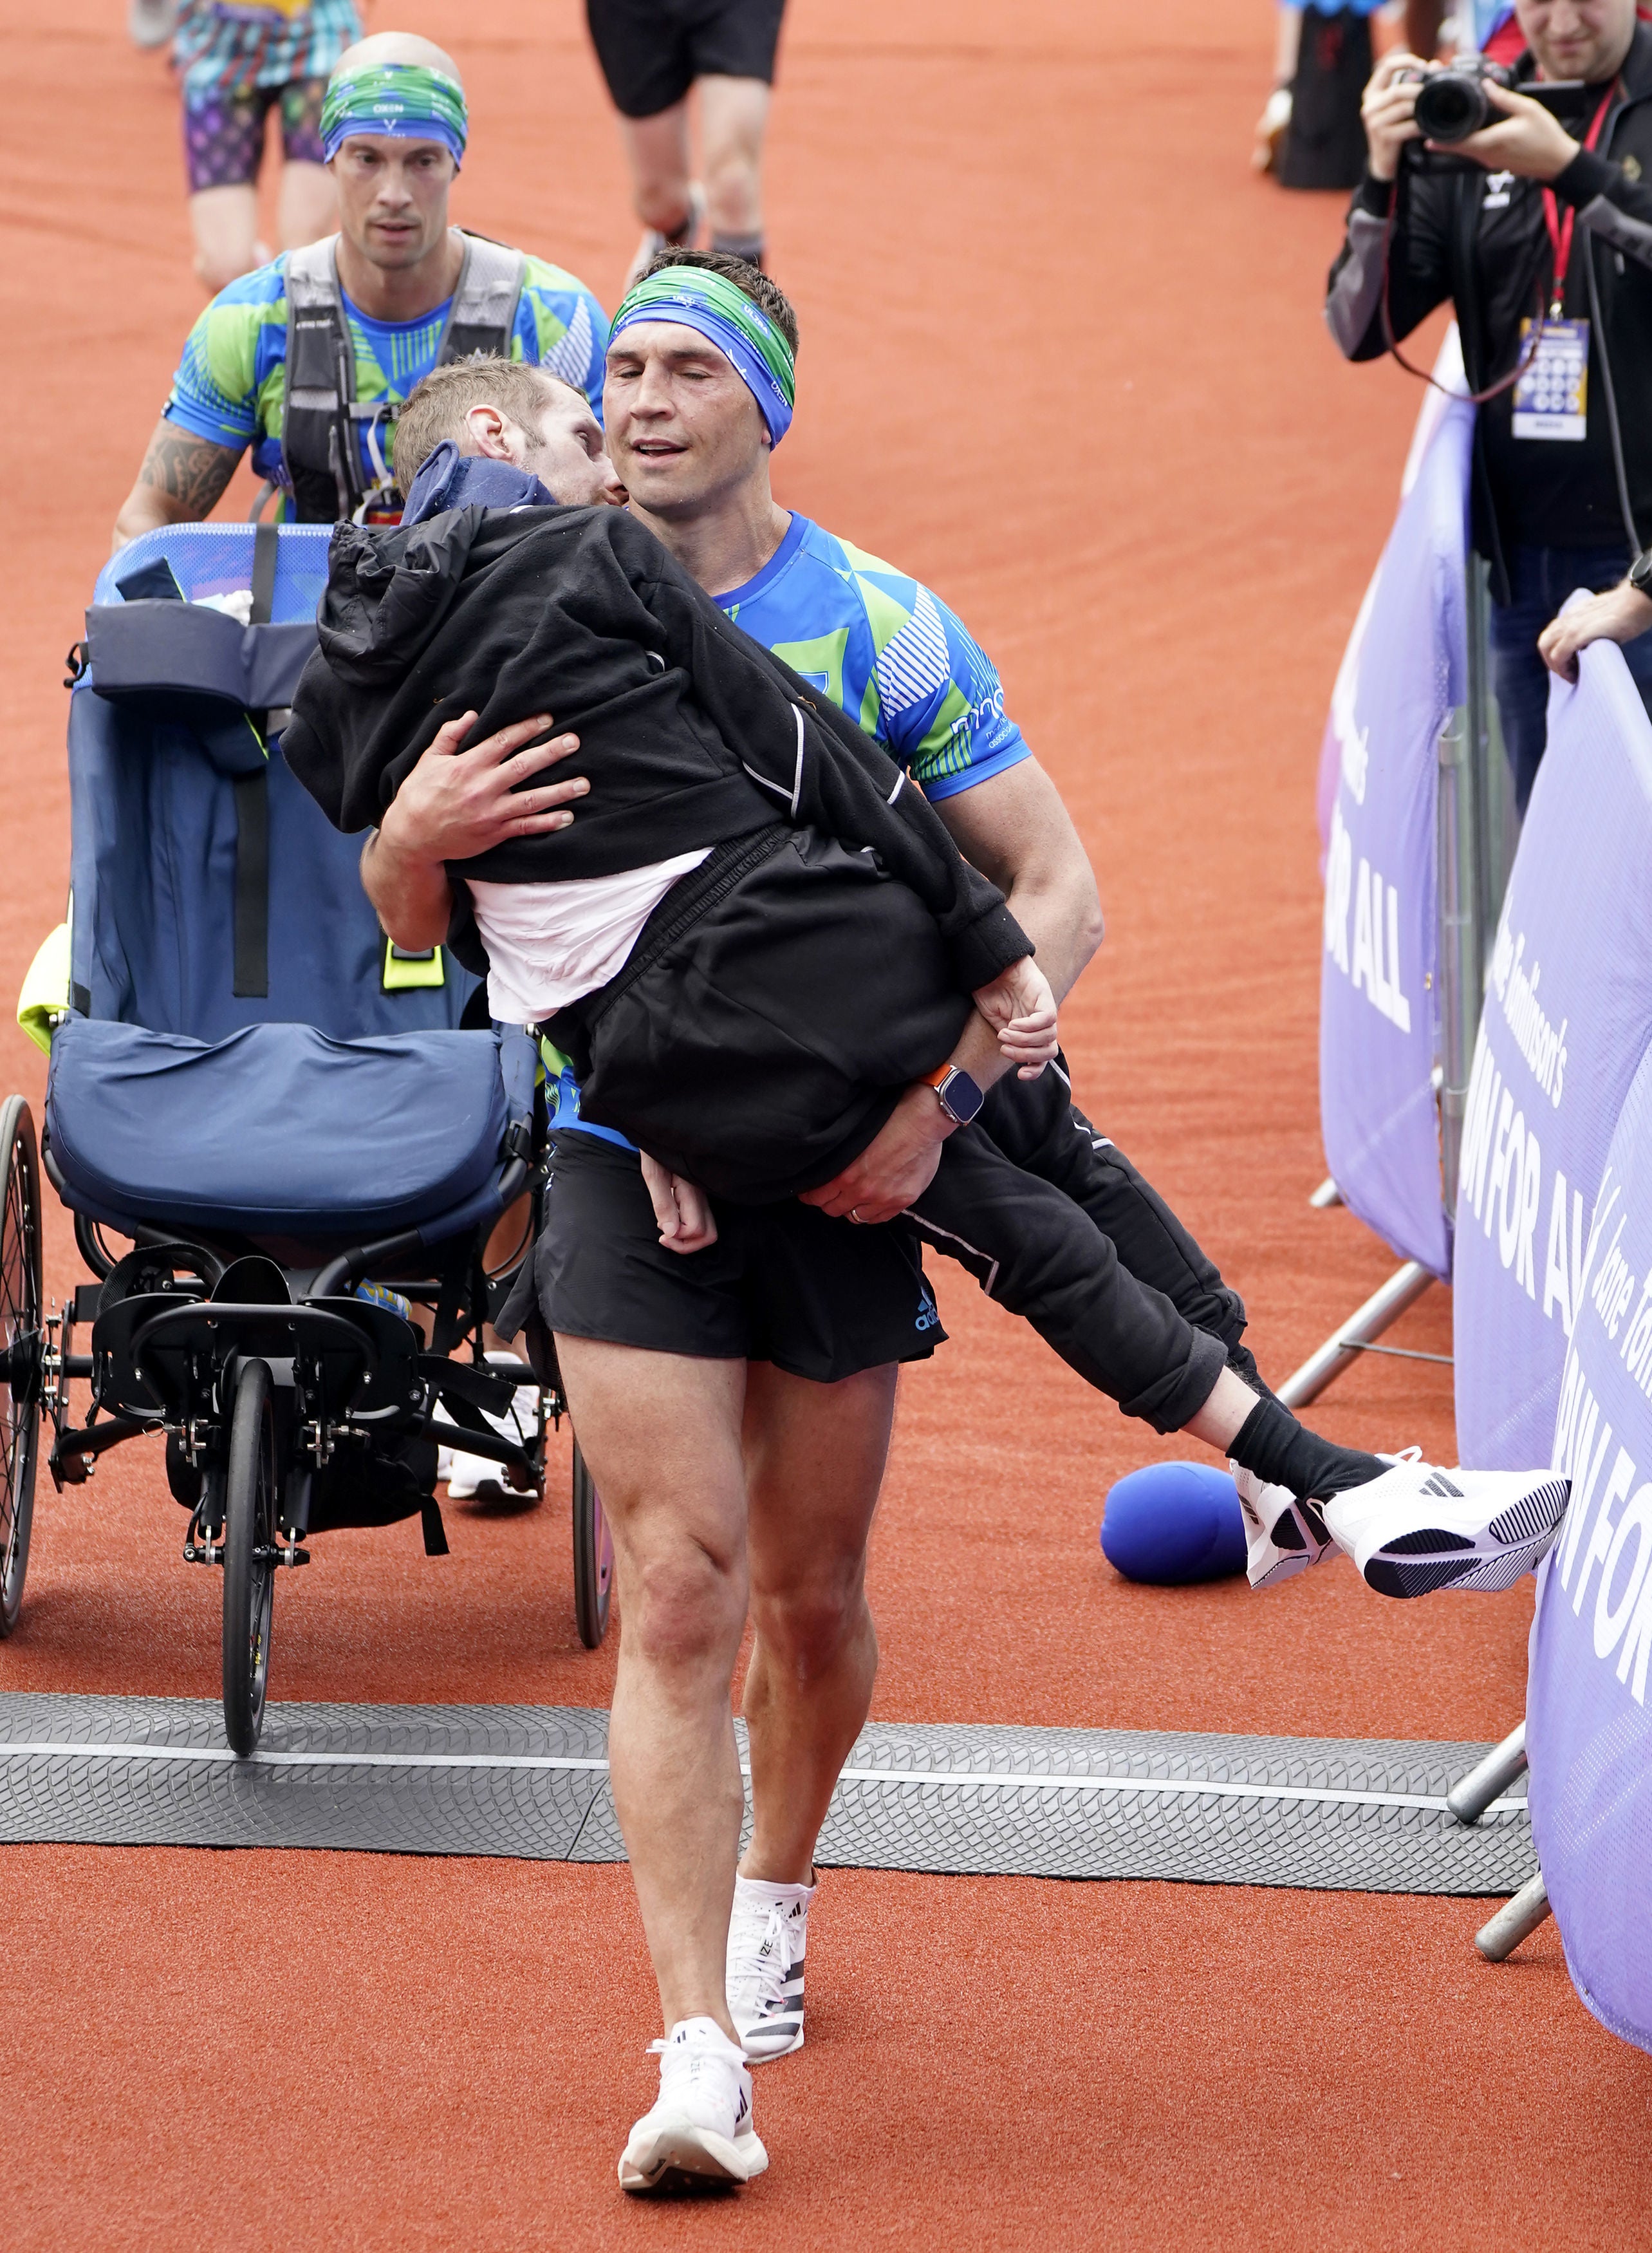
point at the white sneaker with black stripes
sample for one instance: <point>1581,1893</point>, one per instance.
<point>701,2129</point>
<point>1419,1528</point>
<point>1283,1536</point>
<point>768,1935</point>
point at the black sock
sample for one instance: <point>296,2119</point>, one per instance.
<point>1282,1452</point>
<point>748,247</point>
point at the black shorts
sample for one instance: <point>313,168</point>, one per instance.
<point>653,51</point>
<point>818,1298</point>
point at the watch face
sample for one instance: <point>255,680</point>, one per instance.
<point>962,1097</point>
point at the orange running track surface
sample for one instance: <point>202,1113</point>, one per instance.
<point>1062,358</point>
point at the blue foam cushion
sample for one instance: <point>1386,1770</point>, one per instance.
<point>1174,1523</point>
<point>279,1128</point>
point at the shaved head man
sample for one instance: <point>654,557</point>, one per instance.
<point>307,360</point>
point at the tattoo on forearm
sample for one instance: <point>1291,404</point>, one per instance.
<point>191,472</point>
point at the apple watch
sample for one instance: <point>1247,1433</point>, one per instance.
<point>956,1093</point>
<point>1640,573</point>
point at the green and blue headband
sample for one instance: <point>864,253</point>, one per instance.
<point>699,299</point>
<point>407,100</point>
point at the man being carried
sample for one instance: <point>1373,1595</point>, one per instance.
<point>308,359</point>
<point>663,959</point>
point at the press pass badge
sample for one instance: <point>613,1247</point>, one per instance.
<point>1551,398</point>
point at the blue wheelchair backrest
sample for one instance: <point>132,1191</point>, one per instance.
<point>208,890</point>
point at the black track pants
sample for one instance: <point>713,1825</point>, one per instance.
<point>1058,1227</point>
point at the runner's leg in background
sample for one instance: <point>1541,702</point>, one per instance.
<point>223,143</point>
<point>734,113</point>
<point>308,207</point>
<point>657,151</point>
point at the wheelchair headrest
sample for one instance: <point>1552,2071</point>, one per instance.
<point>183,661</point>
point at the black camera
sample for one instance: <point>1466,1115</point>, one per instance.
<point>1452,103</point>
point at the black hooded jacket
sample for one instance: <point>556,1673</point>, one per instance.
<point>821,960</point>
<point>691,734</point>
<point>1482,243</point>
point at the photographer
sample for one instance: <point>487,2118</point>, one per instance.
<point>1543,243</point>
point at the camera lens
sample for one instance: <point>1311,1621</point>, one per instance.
<point>1450,105</point>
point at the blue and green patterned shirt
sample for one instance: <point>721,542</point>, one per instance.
<point>231,383</point>
<point>888,651</point>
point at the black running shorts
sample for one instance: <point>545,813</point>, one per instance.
<point>820,1298</point>
<point>653,51</point>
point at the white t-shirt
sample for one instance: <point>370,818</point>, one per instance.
<point>549,944</point>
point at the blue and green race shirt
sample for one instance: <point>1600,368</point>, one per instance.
<point>231,384</point>
<point>887,653</point>
<point>892,656</point>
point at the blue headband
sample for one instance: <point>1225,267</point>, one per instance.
<point>745,336</point>
<point>406,102</point>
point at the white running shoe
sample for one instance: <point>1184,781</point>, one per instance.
<point>150,23</point>
<point>700,2130</point>
<point>1283,1537</point>
<point>1271,129</point>
<point>1418,1528</point>
<point>768,1933</point>
<point>467,1476</point>
<point>654,242</point>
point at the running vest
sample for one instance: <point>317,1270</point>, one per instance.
<point>320,452</point>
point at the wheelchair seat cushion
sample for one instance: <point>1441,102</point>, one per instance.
<point>279,1129</point>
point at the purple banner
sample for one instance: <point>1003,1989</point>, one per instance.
<point>1567,1019</point>
<point>1588,1731</point>
<point>1403,673</point>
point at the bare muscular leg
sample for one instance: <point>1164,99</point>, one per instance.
<point>814,1462</point>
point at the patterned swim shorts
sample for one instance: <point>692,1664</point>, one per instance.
<point>224,134</point>
<point>236,62</point>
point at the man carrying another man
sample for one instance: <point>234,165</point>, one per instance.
<point>308,359</point>
<point>1543,243</point>
<point>707,1397</point>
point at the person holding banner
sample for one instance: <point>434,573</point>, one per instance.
<point>1542,240</point>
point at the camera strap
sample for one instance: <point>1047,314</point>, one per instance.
<point>1560,229</point>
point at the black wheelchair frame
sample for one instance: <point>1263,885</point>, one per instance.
<point>263,1376</point>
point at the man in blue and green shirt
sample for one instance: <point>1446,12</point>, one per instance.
<point>307,360</point>
<point>737,1415</point>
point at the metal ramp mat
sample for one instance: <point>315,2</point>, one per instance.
<point>531,1780</point>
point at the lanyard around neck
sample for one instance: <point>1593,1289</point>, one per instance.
<point>1559,230</point>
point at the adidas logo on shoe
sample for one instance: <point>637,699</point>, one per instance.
<point>1416,1529</point>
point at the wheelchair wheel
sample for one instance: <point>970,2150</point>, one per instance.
<point>22,1345</point>
<point>249,1570</point>
<point>593,1557</point>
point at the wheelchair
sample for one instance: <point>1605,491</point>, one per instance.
<point>304,1167</point>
